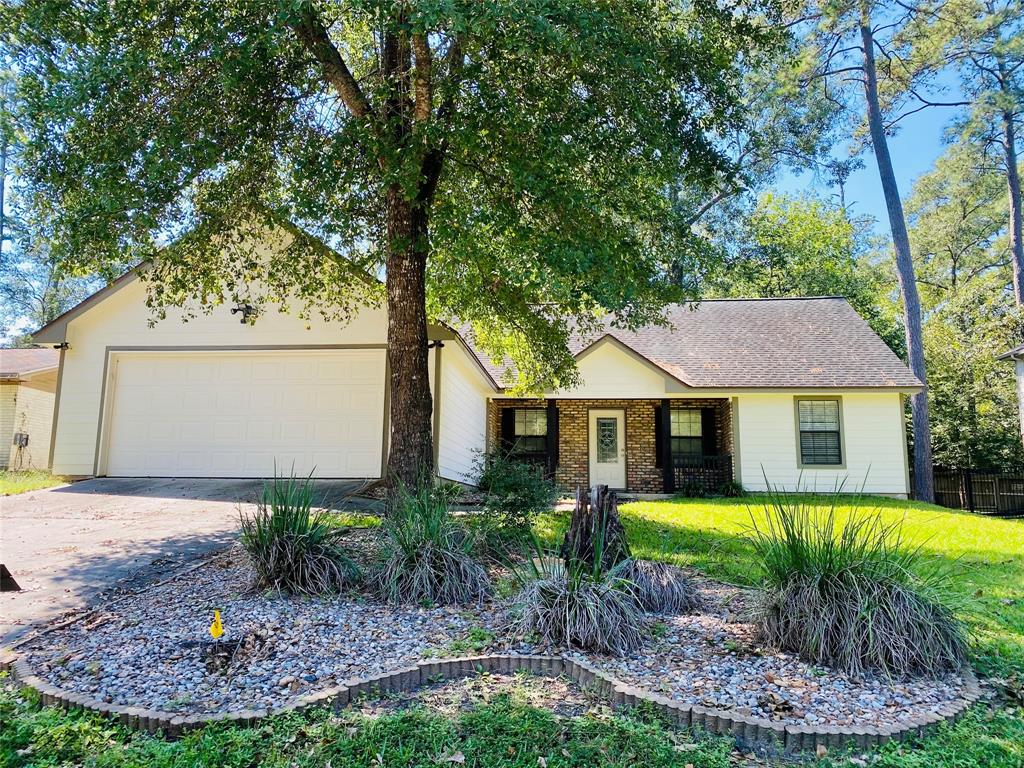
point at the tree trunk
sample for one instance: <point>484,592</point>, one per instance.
<point>411,452</point>
<point>593,526</point>
<point>923,481</point>
<point>1013,189</point>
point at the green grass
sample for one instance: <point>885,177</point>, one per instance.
<point>987,556</point>
<point>501,733</point>
<point>22,481</point>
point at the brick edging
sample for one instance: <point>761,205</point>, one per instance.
<point>749,732</point>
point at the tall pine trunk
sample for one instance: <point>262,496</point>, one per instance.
<point>1013,190</point>
<point>411,452</point>
<point>923,482</point>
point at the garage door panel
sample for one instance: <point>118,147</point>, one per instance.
<point>235,414</point>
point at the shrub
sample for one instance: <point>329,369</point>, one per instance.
<point>515,492</point>
<point>659,587</point>
<point>730,489</point>
<point>692,489</point>
<point>855,599</point>
<point>566,603</point>
<point>293,547</point>
<point>428,555</point>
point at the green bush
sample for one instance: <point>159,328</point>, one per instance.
<point>294,547</point>
<point>428,555</point>
<point>855,599</point>
<point>515,492</point>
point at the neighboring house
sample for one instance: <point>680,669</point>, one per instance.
<point>1017,355</point>
<point>798,390</point>
<point>28,381</point>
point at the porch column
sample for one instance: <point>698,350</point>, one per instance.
<point>665,428</point>
<point>552,440</point>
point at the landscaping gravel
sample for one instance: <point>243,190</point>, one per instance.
<point>142,651</point>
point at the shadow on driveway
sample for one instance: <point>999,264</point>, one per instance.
<point>69,546</point>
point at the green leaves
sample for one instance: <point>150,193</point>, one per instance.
<point>155,130</point>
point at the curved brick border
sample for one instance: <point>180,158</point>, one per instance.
<point>748,732</point>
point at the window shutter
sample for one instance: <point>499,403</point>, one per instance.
<point>657,437</point>
<point>708,428</point>
<point>508,428</point>
<point>552,441</point>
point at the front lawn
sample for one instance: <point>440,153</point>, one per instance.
<point>986,558</point>
<point>22,481</point>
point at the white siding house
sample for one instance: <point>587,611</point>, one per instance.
<point>800,392</point>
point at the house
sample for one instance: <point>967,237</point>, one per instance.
<point>1017,355</point>
<point>798,390</point>
<point>28,383</point>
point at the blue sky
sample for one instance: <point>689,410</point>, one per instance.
<point>914,150</point>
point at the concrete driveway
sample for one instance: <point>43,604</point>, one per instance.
<point>69,545</point>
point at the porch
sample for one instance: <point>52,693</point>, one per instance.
<point>643,446</point>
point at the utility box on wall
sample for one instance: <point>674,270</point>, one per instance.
<point>21,439</point>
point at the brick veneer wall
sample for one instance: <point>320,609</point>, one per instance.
<point>642,473</point>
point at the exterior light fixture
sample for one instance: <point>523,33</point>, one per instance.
<point>247,311</point>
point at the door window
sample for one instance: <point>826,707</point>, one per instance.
<point>607,440</point>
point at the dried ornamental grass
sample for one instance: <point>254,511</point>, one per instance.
<point>659,587</point>
<point>428,556</point>
<point>293,547</point>
<point>567,603</point>
<point>855,599</point>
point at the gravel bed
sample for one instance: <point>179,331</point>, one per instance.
<point>712,659</point>
<point>137,652</point>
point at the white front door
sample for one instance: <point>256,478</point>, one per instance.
<point>608,448</point>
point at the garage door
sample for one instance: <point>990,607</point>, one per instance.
<point>236,414</point>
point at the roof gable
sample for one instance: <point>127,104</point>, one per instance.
<point>802,343</point>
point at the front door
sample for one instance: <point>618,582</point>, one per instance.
<point>608,448</point>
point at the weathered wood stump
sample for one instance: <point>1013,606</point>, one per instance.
<point>595,526</point>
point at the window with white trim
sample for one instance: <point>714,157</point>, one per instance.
<point>820,432</point>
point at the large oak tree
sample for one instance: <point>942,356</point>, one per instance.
<point>505,163</point>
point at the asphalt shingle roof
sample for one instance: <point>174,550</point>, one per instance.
<point>761,343</point>
<point>17,362</point>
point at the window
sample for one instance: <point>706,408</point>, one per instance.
<point>820,437</point>
<point>607,440</point>
<point>530,432</point>
<point>687,432</point>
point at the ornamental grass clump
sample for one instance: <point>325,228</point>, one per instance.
<point>852,597</point>
<point>575,603</point>
<point>293,547</point>
<point>572,608</point>
<point>428,555</point>
<point>659,587</point>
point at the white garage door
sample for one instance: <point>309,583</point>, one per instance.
<point>236,414</point>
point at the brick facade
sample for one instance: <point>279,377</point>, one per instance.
<point>642,473</point>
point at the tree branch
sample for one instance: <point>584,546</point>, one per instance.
<point>313,35</point>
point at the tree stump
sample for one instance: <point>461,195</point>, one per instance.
<point>594,526</point>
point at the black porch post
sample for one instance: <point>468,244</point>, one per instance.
<point>666,447</point>
<point>552,440</point>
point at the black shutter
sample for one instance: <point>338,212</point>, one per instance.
<point>657,436</point>
<point>508,429</point>
<point>552,440</point>
<point>665,428</point>
<point>708,431</point>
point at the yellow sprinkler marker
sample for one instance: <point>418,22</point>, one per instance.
<point>216,629</point>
